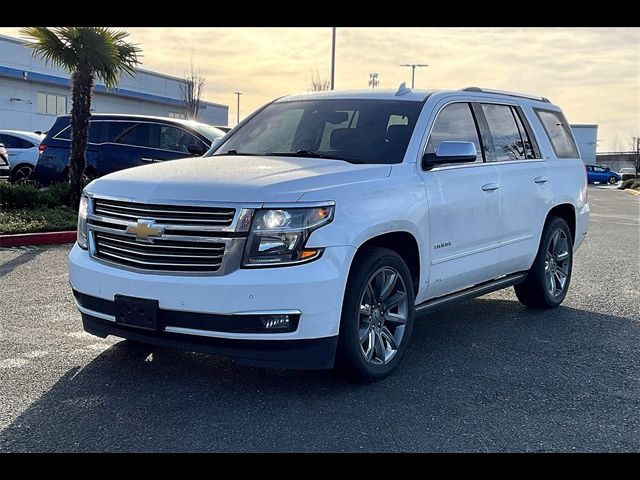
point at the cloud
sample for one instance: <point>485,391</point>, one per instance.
<point>592,73</point>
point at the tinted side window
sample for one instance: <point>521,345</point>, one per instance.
<point>559,133</point>
<point>455,123</point>
<point>14,142</point>
<point>177,139</point>
<point>95,133</point>
<point>507,142</point>
<point>129,133</point>
<point>530,148</point>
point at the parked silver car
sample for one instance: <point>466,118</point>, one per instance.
<point>23,152</point>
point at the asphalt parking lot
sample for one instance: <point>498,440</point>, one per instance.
<point>486,376</point>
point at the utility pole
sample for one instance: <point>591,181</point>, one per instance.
<point>333,57</point>
<point>373,80</point>
<point>413,71</point>
<point>238,106</point>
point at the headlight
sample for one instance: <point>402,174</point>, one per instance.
<point>278,236</point>
<point>82,222</point>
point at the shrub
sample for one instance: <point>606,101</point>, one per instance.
<point>27,196</point>
<point>632,183</point>
<point>43,219</point>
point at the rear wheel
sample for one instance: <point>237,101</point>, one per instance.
<point>377,315</point>
<point>21,173</point>
<point>549,277</point>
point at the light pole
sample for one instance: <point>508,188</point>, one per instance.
<point>333,57</point>
<point>238,106</point>
<point>413,71</point>
<point>373,80</point>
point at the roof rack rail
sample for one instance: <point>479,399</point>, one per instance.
<point>504,92</point>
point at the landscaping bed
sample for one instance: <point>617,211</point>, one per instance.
<point>27,209</point>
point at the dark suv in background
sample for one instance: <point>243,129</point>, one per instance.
<point>119,141</point>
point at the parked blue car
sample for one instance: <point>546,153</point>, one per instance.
<point>598,174</point>
<point>121,141</point>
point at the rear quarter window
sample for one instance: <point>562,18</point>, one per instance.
<point>557,128</point>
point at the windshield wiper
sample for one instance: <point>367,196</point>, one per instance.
<point>310,154</point>
<point>234,152</point>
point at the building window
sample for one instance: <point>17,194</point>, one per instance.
<point>176,115</point>
<point>52,104</point>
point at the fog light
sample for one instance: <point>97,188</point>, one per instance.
<point>275,321</point>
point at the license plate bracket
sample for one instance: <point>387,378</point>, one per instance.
<point>137,312</point>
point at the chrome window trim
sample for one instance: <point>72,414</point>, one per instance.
<point>139,146</point>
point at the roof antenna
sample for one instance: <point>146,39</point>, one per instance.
<point>402,89</point>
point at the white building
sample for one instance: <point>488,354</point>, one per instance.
<point>587,139</point>
<point>32,95</point>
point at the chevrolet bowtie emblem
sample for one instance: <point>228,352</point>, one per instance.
<point>145,230</point>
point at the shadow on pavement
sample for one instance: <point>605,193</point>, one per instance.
<point>489,375</point>
<point>25,257</point>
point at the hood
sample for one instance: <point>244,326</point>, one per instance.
<point>234,178</point>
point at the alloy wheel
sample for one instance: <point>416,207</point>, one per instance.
<point>556,264</point>
<point>384,307</point>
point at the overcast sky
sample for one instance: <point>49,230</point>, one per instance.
<point>592,73</point>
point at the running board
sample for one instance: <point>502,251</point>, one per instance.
<point>471,292</point>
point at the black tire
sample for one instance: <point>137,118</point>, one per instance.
<point>612,180</point>
<point>20,174</point>
<point>350,357</point>
<point>535,290</point>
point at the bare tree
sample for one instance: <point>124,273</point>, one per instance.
<point>191,90</point>
<point>319,83</point>
<point>636,148</point>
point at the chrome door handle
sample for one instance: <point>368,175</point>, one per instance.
<point>147,160</point>
<point>488,187</point>
<point>541,179</point>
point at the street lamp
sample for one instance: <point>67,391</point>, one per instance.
<point>238,106</point>
<point>413,70</point>
<point>333,57</point>
<point>373,80</point>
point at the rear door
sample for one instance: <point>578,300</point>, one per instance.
<point>464,208</point>
<point>524,181</point>
<point>18,148</point>
<point>126,144</point>
<point>175,142</point>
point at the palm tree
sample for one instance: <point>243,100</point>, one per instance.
<point>88,53</point>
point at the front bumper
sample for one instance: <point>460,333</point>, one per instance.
<point>5,172</point>
<point>315,353</point>
<point>315,290</point>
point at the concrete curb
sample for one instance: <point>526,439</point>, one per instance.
<point>632,192</point>
<point>43,238</point>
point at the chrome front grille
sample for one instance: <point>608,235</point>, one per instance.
<point>172,214</point>
<point>194,239</point>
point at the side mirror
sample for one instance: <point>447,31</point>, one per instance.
<point>450,152</point>
<point>196,150</point>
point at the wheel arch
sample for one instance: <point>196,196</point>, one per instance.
<point>567,212</point>
<point>402,242</point>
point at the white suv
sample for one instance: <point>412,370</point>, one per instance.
<point>319,227</point>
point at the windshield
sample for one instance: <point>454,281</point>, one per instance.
<point>357,131</point>
<point>210,132</point>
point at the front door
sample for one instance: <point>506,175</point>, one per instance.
<point>464,209</point>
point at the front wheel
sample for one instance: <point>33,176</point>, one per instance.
<point>549,277</point>
<point>377,315</point>
<point>612,180</point>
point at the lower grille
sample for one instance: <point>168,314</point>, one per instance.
<point>162,255</point>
